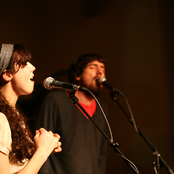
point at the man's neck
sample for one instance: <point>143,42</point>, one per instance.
<point>84,98</point>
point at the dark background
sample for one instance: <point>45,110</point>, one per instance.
<point>136,38</point>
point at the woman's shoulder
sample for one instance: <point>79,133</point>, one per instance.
<point>3,117</point>
<point>5,135</point>
<point>4,124</point>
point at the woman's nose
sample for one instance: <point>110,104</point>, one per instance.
<point>33,68</point>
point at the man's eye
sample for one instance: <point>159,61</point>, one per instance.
<point>92,67</point>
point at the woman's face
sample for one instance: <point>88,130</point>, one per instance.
<point>22,81</point>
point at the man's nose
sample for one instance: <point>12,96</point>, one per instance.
<point>99,70</point>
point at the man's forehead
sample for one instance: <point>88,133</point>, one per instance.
<point>96,62</point>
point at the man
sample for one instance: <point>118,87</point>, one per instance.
<point>84,148</point>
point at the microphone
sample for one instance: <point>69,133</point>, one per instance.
<point>50,83</point>
<point>102,80</point>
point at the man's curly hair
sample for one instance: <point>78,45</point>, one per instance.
<point>77,66</point>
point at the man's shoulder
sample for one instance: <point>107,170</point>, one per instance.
<point>57,99</point>
<point>56,93</point>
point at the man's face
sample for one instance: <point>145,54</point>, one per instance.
<point>89,76</point>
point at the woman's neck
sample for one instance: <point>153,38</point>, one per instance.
<point>9,95</point>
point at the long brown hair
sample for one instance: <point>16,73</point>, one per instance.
<point>22,144</point>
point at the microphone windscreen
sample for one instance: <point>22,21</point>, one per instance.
<point>47,82</point>
<point>101,80</point>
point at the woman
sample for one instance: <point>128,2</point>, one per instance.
<point>18,153</point>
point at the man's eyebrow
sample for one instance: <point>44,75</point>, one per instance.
<point>103,66</point>
<point>92,64</point>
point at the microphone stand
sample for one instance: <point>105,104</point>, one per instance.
<point>162,162</point>
<point>115,146</point>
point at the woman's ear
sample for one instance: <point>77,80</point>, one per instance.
<point>7,76</point>
<point>77,78</point>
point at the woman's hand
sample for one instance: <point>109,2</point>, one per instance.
<point>46,142</point>
<point>58,146</point>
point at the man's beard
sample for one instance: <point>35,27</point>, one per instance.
<point>95,90</point>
